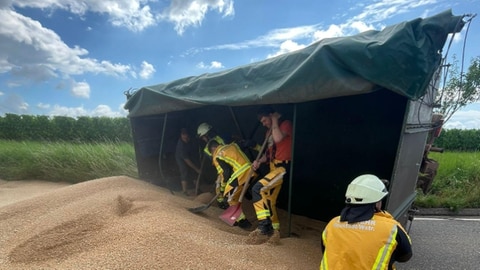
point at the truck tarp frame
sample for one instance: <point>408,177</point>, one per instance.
<point>401,58</point>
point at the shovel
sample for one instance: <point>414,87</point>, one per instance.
<point>197,183</point>
<point>233,212</point>
<point>203,207</point>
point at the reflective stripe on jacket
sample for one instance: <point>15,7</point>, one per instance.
<point>362,245</point>
<point>219,141</point>
<point>233,156</point>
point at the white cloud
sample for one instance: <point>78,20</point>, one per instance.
<point>287,46</point>
<point>216,64</point>
<point>43,106</point>
<point>370,17</point>
<point>4,65</point>
<point>13,103</point>
<point>332,31</point>
<point>147,70</point>
<point>58,110</point>
<point>273,38</point>
<point>132,14</point>
<point>464,119</point>
<point>292,39</point>
<point>136,15</point>
<point>80,89</point>
<point>212,65</point>
<point>290,33</point>
<point>359,26</point>
<point>33,53</point>
<point>188,13</point>
<point>104,111</point>
<point>121,110</point>
<point>129,14</point>
<point>384,9</point>
<point>99,111</point>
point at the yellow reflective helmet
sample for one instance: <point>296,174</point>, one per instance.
<point>203,129</point>
<point>365,189</point>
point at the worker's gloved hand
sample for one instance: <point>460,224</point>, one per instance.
<point>223,204</point>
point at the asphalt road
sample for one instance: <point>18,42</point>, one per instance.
<point>444,243</point>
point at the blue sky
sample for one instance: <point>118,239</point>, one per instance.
<point>77,57</point>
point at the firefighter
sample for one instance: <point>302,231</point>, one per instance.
<point>233,168</point>
<point>206,133</point>
<point>364,236</point>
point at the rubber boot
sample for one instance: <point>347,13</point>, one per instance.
<point>243,224</point>
<point>265,227</point>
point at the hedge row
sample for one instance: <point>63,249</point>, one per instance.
<point>102,129</point>
<point>459,140</point>
<point>61,128</point>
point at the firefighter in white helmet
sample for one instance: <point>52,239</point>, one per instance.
<point>203,129</point>
<point>364,236</point>
<point>206,133</point>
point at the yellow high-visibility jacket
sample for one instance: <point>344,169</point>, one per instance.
<point>234,157</point>
<point>219,141</point>
<point>362,245</point>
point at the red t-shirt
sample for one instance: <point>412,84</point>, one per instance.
<point>283,149</point>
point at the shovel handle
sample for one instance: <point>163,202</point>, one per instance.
<point>197,184</point>
<point>250,173</point>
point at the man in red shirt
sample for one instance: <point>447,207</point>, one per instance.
<point>265,192</point>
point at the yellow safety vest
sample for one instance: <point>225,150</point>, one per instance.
<point>362,245</point>
<point>234,157</point>
<point>219,141</point>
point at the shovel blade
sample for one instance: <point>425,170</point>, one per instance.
<point>203,207</point>
<point>231,215</point>
<point>198,209</point>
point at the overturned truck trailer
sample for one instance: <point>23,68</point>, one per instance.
<point>359,104</point>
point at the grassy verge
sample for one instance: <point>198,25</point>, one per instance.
<point>457,184</point>
<point>65,162</point>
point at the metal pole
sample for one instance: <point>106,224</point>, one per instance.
<point>234,117</point>
<point>290,175</point>
<point>167,181</point>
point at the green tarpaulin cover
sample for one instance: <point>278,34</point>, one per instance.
<point>401,58</point>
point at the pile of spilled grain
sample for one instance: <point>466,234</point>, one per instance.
<point>125,223</point>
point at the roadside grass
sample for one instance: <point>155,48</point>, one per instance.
<point>457,184</point>
<point>65,162</point>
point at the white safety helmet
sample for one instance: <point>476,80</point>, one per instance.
<point>365,189</point>
<point>203,129</point>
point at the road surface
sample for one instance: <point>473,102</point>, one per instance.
<point>444,243</point>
